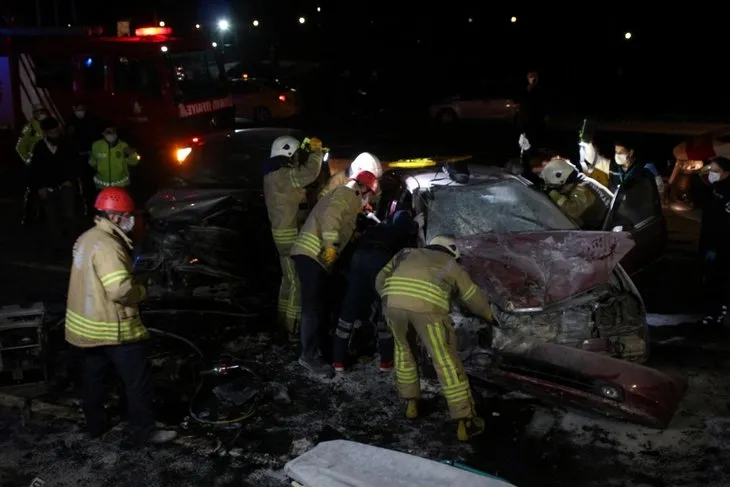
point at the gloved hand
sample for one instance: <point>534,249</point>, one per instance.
<point>315,145</point>
<point>554,195</point>
<point>524,143</point>
<point>587,153</point>
<point>329,255</point>
<point>710,256</point>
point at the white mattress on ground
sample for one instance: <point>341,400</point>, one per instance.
<point>343,463</point>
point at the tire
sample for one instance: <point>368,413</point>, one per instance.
<point>261,114</point>
<point>447,116</point>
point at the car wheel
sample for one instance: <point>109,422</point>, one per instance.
<point>447,116</point>
<point>261,114</point>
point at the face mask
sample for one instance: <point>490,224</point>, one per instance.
<point>53,140</point>
<point>713,177</point>
<point>110,138</point>
<point>127,224</point>
<point>80,113</point>
<point>622,159</point>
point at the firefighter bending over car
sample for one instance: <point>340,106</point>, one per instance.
<point>416,288</point>
<point>284,190</point>
<point>322,239</point>
<point>102,318</point>
<point>584,200</point>
<point>111,159</point>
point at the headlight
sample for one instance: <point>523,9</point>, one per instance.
<point>182,154</point>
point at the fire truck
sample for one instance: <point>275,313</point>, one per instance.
<point>163,92</point>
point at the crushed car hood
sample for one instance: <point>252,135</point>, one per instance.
<point>533,270</point>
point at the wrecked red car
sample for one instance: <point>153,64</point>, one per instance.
<point>572,324</point>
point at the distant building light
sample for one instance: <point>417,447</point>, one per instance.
<point>513,19</point>
<point>162,23</point>
<point>302,20</point>
<point>197,26</point>
<point>255,23</point>
<point>215,44</point>
<point>627,36</point>
<point>163,49</point>
<point>470,20</point>
<point>319,9</point>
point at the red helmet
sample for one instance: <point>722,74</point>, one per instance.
<point>114,199</point>
<point>367,179</point>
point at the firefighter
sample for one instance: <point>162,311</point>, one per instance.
<point>416,288</point>
<point>111,158</point>
<point>102,318</point>
<point>52,175</point>
<point>374,249</point>
<point>583,199</point>
<point>715,243</point>
<point>365,161</point>
<point>322,239</point>
<point>284,183</point>
<point>31,133</point>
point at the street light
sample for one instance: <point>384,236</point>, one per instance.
<point>197,26</point>
<point>319,9</point>
<point>470,20</point>
<point>627,36</point>
<point>302,20</point>
<point>513,19</point>
<point>255,23</point>
<point>223,25</point>
<point>214,44</point>
<point>162,23</point>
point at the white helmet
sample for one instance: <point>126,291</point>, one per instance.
<point>286,145</point>
<point>557,171</point>
<point>366,162</point>
<point>447,243</point>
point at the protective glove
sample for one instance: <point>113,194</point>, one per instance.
<point>554,195</point>
<point>710,256</point>
<point>315,145</point>
<point>587,153</point>
<point>329,255</point>
<point>524,143</point>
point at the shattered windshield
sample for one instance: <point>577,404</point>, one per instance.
<point>501,207</point>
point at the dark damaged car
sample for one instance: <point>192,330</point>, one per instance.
<point>573,325</point>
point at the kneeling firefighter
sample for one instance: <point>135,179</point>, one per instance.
<point>323,238</point>
<point>284,190</point>
<point>584,200</point>
<point>102,318</point>
<point>374,249</point>
<point>416,288</point>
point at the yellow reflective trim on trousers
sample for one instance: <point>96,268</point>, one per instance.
<point>399,291</point>
<point>402,370</point>
<point>105,330</point>
<point>114,277</point>
<point>440,354</point>
<point>469,293</point>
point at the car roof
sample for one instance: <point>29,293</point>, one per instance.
<point>428,177</point>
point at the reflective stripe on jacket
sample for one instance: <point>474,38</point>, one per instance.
<point>283,193</point>
<point>330,224</point>
<point>29,137</point>
<point>103,297</point>
<point>423,280</point>
<point>111,164</point>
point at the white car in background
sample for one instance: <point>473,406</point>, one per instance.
<point>482,104</point>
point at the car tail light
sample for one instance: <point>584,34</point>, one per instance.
<point>182,154</point>
<point>282,98</point>
<point>196,140</point>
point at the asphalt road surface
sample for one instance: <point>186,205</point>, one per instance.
<point>527,443</point>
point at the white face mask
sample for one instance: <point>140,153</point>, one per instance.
<point>713,177</point>
<point>622,159</point>
<point>127,224</point>
<point>80,113</point>
<point>110,138</point>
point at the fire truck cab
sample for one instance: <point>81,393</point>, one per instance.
<point>164,93</point>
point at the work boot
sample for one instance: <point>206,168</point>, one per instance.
<point>386,366</point>
<point>317,366</point>
<point>158,437</point>
<point>339,367</point>
<point>469,428</point>
<point>412,408</point>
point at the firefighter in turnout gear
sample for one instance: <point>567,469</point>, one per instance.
<point>102,318</point>
<point>284,190</point>
<point>322,239</point>
<point>416,288</point>
<point>31,133</point>
<point>584,200</point>
<point>111,158</point>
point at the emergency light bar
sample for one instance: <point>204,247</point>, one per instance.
<point>152,31</point>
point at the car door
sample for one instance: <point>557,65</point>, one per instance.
<point>636,208</point>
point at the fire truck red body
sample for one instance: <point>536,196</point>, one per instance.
<point>161,91</point>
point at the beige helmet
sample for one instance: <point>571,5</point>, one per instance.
<point>447,243</point>
<point>556,172</point>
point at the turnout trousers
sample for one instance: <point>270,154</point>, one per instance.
<point>289,309</point>
<point>436,331</point>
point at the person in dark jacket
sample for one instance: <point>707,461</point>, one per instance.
<point>52,175</point>
<point>714,248</point>
<point>82,130</point>
<point>374,249</point>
